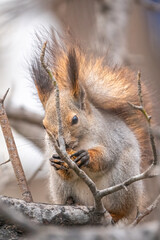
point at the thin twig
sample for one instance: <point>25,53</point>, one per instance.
<point>60,127</point>
<point>141,108</point>
<point>149,209</point>
<point>4,97</point>
<point>3,163</point>
<point>13,153</point>
<point>144,175</point>
<point>140,89</point>
<point>62,150</point>
<point>148,118</point>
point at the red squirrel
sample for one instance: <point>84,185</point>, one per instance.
<point>105,133</point>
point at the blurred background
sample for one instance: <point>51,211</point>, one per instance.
<point>127,32</point>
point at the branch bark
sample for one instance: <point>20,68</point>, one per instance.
<point>57,214</point>
<point>14,217</point>
<point>13,153</point>
<point>44,214</point>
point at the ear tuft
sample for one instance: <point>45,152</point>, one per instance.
<point>73,72</point>
<point>42,81</point>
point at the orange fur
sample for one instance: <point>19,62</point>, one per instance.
<point>95,160</point>
<point>121,86</point>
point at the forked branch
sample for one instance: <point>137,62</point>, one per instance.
<point>148,118</point>
<point>62,150</point>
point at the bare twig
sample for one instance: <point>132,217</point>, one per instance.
<point>60,127</point>
<point>149,209</point>
<point>13,153</point>
<point>99,208</point>
<point>140,89</point>
<point>141,108</point>
<point>3,163</point>
<point>148,118</point>
<point>144,175</point>
<point>4,97</point>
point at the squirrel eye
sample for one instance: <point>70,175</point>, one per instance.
<point>74,120</point>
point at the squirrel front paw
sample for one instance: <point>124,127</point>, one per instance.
<point>82,158</point>
<point>57,163</point>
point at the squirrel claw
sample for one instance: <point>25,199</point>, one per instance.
<point>55,156</point>
<point>57,164</point>
<point>82,158</point>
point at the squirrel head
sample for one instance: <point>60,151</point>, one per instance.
<point>75,119</point>
<point>74,106</point>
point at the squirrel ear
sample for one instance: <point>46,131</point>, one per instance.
<point>73,73</point>
<point>42,82</point>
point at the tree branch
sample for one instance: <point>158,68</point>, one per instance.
<point>57,214</point>
<point>144,175</point>
<point>149,209</point>
<point>13,153</point>
<point>99,208</point>
<point>148,118</point>
<point>3,163</point>
<point>8,212</point>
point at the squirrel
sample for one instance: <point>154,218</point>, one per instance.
<point>104,135</point>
